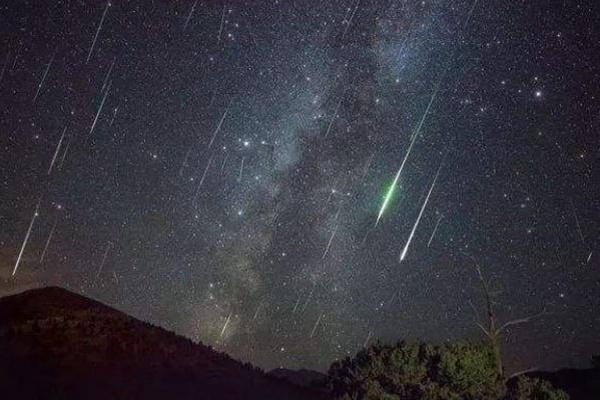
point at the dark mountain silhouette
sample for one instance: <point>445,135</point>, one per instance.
<point>57,344</point>
<point>300,377</point>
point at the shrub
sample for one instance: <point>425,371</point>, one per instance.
<point>420,371</point>
<point>525,388</point>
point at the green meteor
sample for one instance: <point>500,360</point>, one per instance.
<point>388,196</point>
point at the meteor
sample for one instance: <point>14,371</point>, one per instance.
<point>62,160</point>
<point>309,297</point>
<point>5,65</point>
<point>57,150</point>
<point>316,325</point>
<point>48,242</point>
<point>221,25</point>
<point>203,177</point>
<point>225,325</point>
<point>43,77</point>
<point>329,243</point>
<point>187,20</point>
<point>333,117</point>
<point>104,257</point>
<point>105,82</point>
<point>412,233</point>
<point>219,126</point>
<point>97,32</point>
<point>434,230</point>
<point>392,188</point>
<point>100,108</point>
<point>35,215</point>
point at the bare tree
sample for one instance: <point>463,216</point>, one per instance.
<point>491,328</point>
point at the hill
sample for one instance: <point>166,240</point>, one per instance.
<point>58,344</point>
<point>301,377</point>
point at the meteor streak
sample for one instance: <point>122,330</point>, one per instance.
<point>5,66</point>
<point>219,126</point>
<point>413,139</point>
<point>57,150</point>
<point>97,32</point>
<point>203,177</point>
<point>62,160</point>
<point>48,242</point>
<point>351,18</point>
<point>44,77</point>
<point>225,325</point>
<point>108,75</point>
<point>187,20</point>
<point>221,26</point>
<point>100,108</point>
<point>435,230</point>
<point>316,325</point>
<point>104,257</point>
<point>309,297</point>
<point>333,117</point>
<point>577,222</point>
<point>412,233</point>
<point>35,215</point>
<point>329,243</point>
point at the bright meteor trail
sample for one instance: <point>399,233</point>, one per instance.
<point>412,233</point>
<point>392,188</point>
<point>35,215</point>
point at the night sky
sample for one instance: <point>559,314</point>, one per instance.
<point>218,168</point>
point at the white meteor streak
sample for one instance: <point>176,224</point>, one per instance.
<point>351,18</point>
<point>225,325</point>
<point>589,257</point>
<point>100,108</point>
<point>62,160</point>
<point>57,150</point>
<point>577,222</point>
<point>39,88</point>
<point>367,339</point>
<point>223,163</point>
<point>309,297</point>
<point>256,312</point>
<point>333,117</point>
<point>412,233</point>
<point>434,230</point>
<point>5,66</point>
<point>221,26</point>
<point>47,242</point>
<point>104,257</point>
<point>219,126</point>
<point>203,178</point>
<point>97,32</point>
<point>108,75</point>
<point>329,243</point>
<point>35,215</point>
<point>316,325</point>
<point>297,303</point>
<point>187,20</point>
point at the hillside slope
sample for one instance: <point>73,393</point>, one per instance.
<point>57,344</point>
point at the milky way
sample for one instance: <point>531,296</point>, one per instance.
<point>218,168</point>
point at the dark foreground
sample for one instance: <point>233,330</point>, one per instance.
<point>55,344</point>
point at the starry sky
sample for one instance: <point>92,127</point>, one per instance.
<point>231,170</point>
